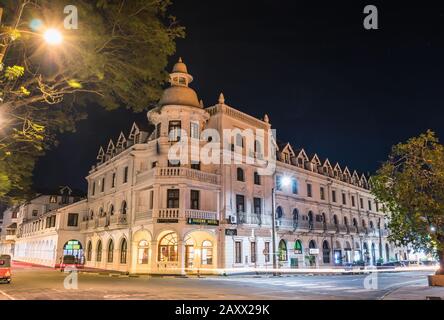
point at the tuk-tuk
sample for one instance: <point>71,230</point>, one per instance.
<point>5,268</point>
<point>70,262</point>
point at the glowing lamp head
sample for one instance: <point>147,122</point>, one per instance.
<point>53,37</point>
<point>433,229</point>
<point>286,181</point>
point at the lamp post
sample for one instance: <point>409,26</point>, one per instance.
<point>273,226</point>
<point>284,182</point>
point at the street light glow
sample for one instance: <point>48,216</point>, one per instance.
<point>286,181</point>
<point>53,36</point>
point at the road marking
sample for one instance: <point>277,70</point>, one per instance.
<point>7,295</point>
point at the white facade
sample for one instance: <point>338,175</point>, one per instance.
<point>146,214</point>
<point>41,228</point>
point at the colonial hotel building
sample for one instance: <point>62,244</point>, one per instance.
<point>146,214</point>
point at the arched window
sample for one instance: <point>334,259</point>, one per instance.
<point>279,212</point>
<point>282,252</point>
<point>101,212</point>
<point>110,257</point>
<point>335,219</point>
<point>324,218</point>
<point>123,251</point>
<point>142,252</point>
<point>111,210</point>
<point>298,247</point>
<point>207,253</point>
<point>91,214</point>
<point>363,223</point>
<point>325,252</point>
<point>240,174</point>
<point>355,223</point>
<point>295,214</point>
<point>99,251</point>
<point>89,251</point>
<point>124,207</point>
<point>168,248</point>
<point>310,217</point>
<point>371,224</point>
<point>345,221</point>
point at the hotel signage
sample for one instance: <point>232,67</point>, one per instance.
<point>205,222</point>
<point>167,220</point>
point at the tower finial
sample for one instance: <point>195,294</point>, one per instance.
<point>221,98</point>
<point>180,59</point>
<point>266,118</point>
<point>201,103</point>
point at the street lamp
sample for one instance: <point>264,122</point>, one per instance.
<point>53,36</point>
<point>284,182</point>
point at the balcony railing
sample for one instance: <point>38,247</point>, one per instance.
<point>362,230</point>
<point>342,228</point>
<point>253,218</point>
<point>181,172</point>
<point>168,213</point>
<point>200,214</point>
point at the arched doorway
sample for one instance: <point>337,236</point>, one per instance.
<point>200,251</point>
<point>168,248</point>
<point>141,252</point>
<point>325,252</point>
<point>337,253</point>
<point>73,248</point>
<point>313,252</point>
<point>282,250</point>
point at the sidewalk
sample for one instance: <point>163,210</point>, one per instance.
<point>416,293</point>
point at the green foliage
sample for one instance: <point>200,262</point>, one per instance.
<point>411,184</point>
<point>117,58</point>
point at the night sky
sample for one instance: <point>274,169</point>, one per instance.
<point>327,84</point>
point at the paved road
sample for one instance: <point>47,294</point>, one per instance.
<point>42,283</point>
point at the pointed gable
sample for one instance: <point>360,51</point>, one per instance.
<point>134,131</point>
<point>326,167</point>
<point>101,154</point>
<point>346,175</point>
<point>315,160</point>
<point>355,178</point>
<point>363,182</point>
<point>287,153</point>
<point>301,158</point>
<point>111,148</point>
<point>121,142</point>
<point>337,171</point>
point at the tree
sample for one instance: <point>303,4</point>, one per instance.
<point>411,184</point>
<point>116,57</point>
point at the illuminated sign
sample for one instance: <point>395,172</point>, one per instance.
<point>167,220</point>
<point>206,222</point>
<point>231,232</point>
<point>298,247</point>
<point>313,252</point>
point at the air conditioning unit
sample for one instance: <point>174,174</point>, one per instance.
<point>232,219</point>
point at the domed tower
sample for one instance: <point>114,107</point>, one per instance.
<point>179,108</point>
<point>179,93</point>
